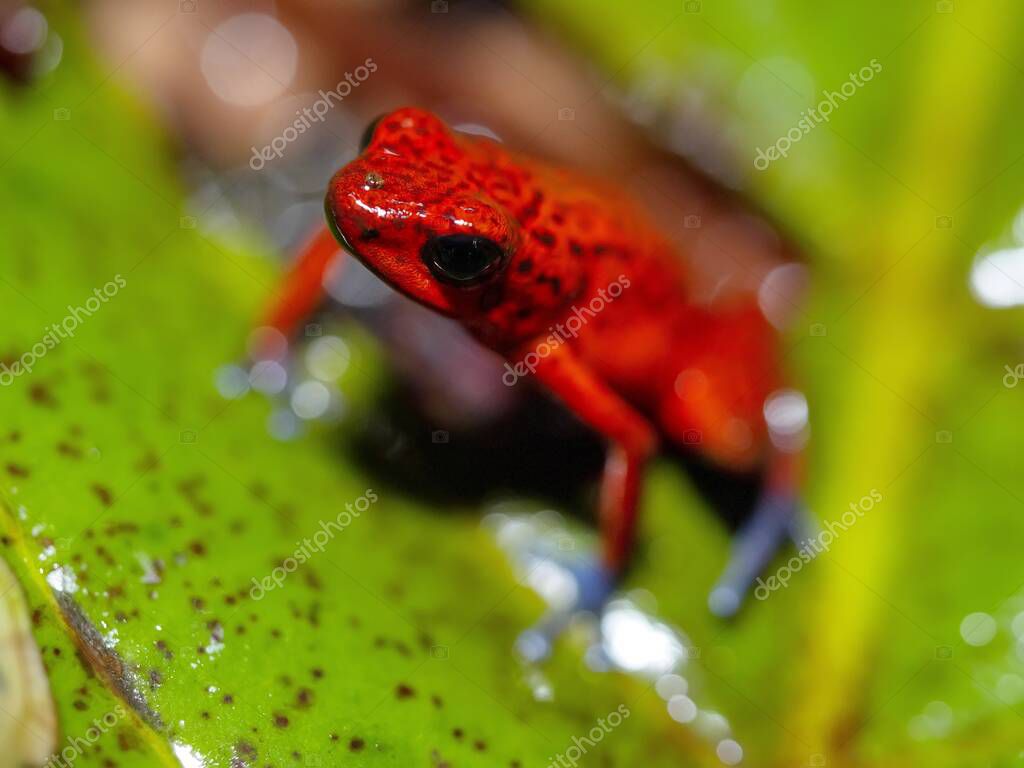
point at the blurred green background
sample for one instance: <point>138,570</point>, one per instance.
<point>904,644</point>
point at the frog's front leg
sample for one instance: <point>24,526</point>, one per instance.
<point>631,441</point>
<point>302,290</point>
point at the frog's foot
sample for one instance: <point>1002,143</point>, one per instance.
<point>594,583</point>
<point>775,520</point>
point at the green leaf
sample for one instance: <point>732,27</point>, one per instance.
<point>140,507</point>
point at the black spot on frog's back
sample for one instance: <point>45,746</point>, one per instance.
<point>554,282</point>
<point>545,237</point>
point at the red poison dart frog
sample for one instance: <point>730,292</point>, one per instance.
<point>566,279</point>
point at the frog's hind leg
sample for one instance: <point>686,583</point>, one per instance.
<point>778,518</point>
<point>720,406</point>
<point>776,521</point>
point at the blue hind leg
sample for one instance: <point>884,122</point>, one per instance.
<point>777,520</point>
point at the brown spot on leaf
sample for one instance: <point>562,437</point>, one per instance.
<point>149,461</point>
<point>103,494</point>
<point>190,489</point>
<point>245,751</point>
<point>164,650</point>
<point>40,395</point>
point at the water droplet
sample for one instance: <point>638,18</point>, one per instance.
<point>1010,688</point>
<point>919,728</point>
<point>283,424</point>
<point>231,381</point>
<point>786,413</point>
<point>62,579</point>
<point>327,358</point>
<point>729,752</point>
<point>978,629</point>
<point>997,278</point>
<point>268,377</point>
<point>310,400</point>
<point>51,54</point>
<point>712,725</point>
<point>24,32</point>
<point>267,343</point>
<point>940,717</point>
<point>779,293</point>
<point>682,709</point>
<point>671,685</point>
<point>249,59</point>
<point>187,756</point>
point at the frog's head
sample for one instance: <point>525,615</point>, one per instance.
<point>412,210</point>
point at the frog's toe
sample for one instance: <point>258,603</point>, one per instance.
<point>595,583</point>
<point>535,644</point>
<point>594,586</point>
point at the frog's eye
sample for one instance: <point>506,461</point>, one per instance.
<point>462,260</point>
<point>367,137</point>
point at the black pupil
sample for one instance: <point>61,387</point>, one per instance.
<point>462,259</point>
<point>367,136</point>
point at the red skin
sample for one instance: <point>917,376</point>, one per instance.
<point>649,364</point>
